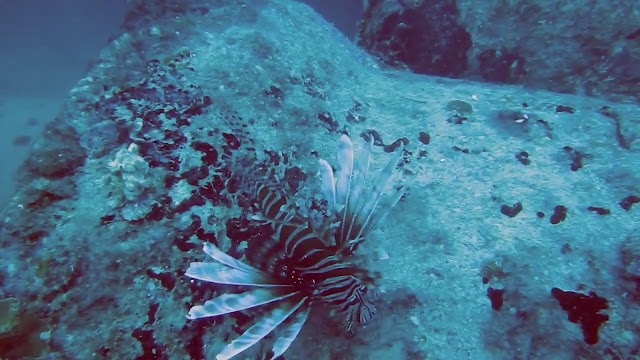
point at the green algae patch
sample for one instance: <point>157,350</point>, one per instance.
<point>459,107</point>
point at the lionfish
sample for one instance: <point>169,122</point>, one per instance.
<point>300,266</point>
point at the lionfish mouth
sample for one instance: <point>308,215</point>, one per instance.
<point>300,265</point>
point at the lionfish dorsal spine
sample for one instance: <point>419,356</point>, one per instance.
<point>345,168</point>
<point>328,185</point>
<point>355,199</point>
<point>357,210</point>
<point>367,217</point>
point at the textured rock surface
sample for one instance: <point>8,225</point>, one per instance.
<point>211,92</point>
<point>563,46</point>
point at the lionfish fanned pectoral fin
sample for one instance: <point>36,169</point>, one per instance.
<point>344,190</point>
<point>290,331</point>
<point>233,272</point>
<point>228,303</point>
<point>222,274</point>
<point>228,260</point>
<point>229,271</point>
<point>283,299</point>
<point>267,323</point>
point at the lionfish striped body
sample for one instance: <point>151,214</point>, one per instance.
<point>297,266</point>
<point>298,255</point>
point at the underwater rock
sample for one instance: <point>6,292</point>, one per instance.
<point>425,36</point>
<point>60,156</point>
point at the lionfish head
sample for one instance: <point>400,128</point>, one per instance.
<point>298,266</point>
